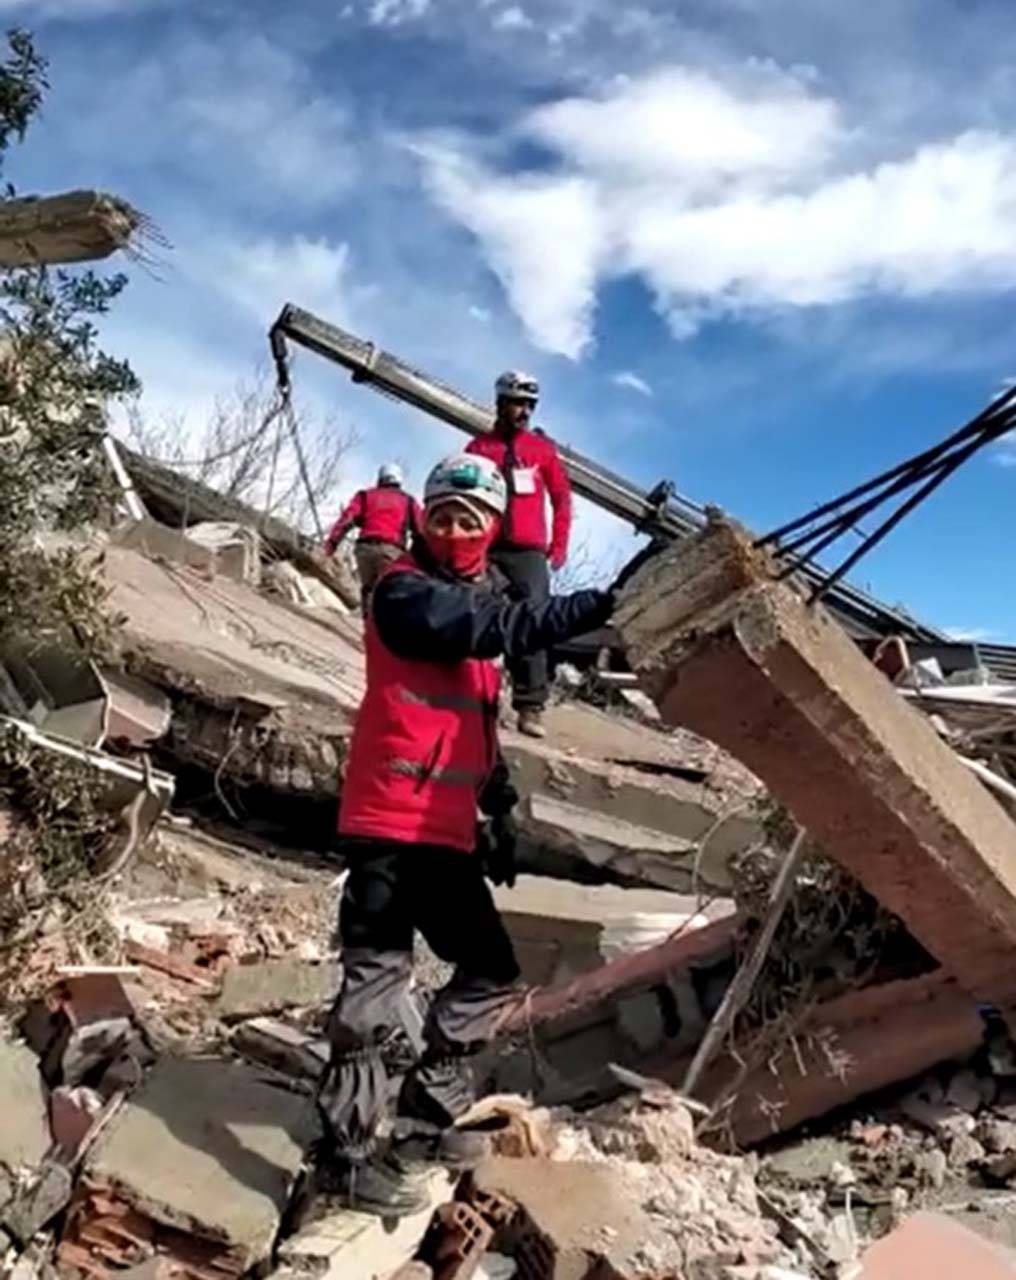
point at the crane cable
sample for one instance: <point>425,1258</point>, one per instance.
<point>825,524</point>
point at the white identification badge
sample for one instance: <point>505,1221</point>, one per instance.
<point>524,480</point>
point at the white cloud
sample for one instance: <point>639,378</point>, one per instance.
<point>392,13</point>
<point>727,203</point>
<point>632,382</point>
<point>544,239</point>
<point>264,273</point>
<point>482,314</point>
<point>513,19</point>
<point>687,128</point>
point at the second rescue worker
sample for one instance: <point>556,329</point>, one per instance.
<point>533,472</point>
<point>388,519</point>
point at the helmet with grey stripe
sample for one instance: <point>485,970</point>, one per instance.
<point>468,477</point>
<point>514,385</point>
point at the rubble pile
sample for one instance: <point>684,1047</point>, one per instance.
<point>701,1209</point>
<point>164,1077</point>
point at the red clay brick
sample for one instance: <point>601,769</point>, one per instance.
<point>930,1246</point>
<point>170,964</point>
<point>91,997</point>
<point>456,1240</point>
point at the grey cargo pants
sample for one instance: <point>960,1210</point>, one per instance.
<point>394,888</point>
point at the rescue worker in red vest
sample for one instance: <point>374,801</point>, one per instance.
<point>387,518</point>
<point>533,472</point>
<point>424,763</point>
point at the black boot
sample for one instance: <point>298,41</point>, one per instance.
<point>382,1186</point>
<point>415,1142</point>
<point>437,1090</point>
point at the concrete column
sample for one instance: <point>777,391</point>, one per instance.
<point>742,659</point>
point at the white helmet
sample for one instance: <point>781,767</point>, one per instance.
<point>514,385</point>
<point>470,477</point>
<point>390,474</point>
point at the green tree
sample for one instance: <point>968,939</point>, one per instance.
<point>55,382</point>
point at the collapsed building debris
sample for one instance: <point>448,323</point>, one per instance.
<point>181,1120</point>
<point>264,694</point>
<point>174,501</point>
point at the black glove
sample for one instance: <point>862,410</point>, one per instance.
<point>498,796</point>
<point>496,840</point>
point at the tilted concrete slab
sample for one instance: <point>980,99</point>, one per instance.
<point>207,1147</point>
<point>265,693</point>
<point>740,658</point>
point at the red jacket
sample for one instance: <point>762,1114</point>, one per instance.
<point>423,746</point>
<point>532,469</point>
<point>384,514</point>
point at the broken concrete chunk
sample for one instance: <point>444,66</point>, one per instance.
<point>573,1213</point>
<point>77,226</point>
<point>932,1167</point>
<point>810,1161</point>
<point>355,1244</point>
<point>964,1149</point>
<point>205,1146</point>
<point>944,1119</point>
<point>281,1046</point>
<point>273,985</point>
<point>998,1136</point>
<point>968,1092</point>
<point>40,1202</point>
<point>24,1131</point>
<point>1001,1168</point>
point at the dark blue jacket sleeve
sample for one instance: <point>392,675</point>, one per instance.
<point>427,620</point>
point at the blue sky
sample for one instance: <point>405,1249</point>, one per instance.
<point>760,247</point>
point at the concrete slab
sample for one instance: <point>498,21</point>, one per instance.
<point>24,1133</point>
<point>741,659</point>
<point>270,986</point>
<point>561,929</point>
<point>279,1045</point>
<point>205,1146</point>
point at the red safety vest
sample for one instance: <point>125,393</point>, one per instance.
<point>424,744</point>
<point>387,515</point>
<point>532,470</point>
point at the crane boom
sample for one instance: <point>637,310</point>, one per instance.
<point>660,512</point>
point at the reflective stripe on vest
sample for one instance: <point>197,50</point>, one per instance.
<point>447,701</point>
<point>429,773</point>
